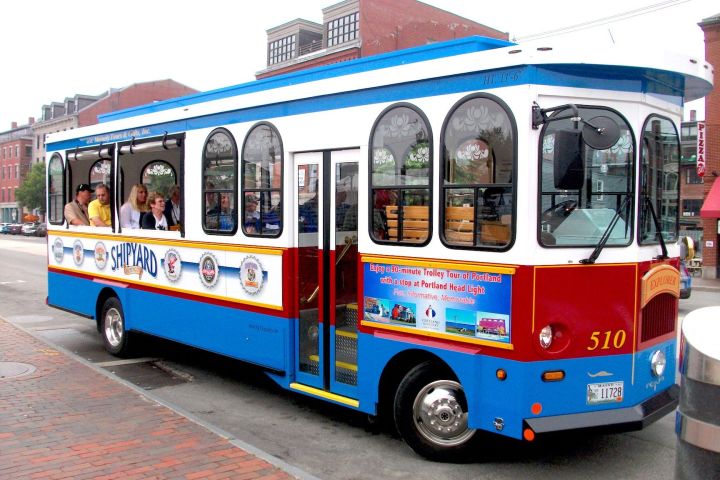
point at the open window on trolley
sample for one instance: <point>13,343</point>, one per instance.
<point>586,177</point>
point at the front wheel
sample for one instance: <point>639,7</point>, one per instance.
<point>112,328</point>
<point>431,414</point>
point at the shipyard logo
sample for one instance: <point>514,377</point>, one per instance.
<point>78,252</point>
<point>58,250</point>
<point>251,275</point>
<point>209,269</point>
<point>100,255</point>
<point>133,258</point>
<point>172,265</point>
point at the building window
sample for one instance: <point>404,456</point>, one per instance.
<point>660,157</point>
<point>343,29</point>
<point>17,151</point>
<point>28,150</point>
<point>17,171</point>
<point>478,145</point>
<point>262,170</point>
<point>282,50</point>
<point>220,183</point>
<point>691,207</point>
<point>689,132</point>
<point>691,176</point>
<point>56,190</point>
<point>400,160</point>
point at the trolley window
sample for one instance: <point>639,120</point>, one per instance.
<point>100,173</point>
<point>220,183</point>
<point>659,186</point>
<point>400,176</point>
<point>478,145</point>
<point>56,190</point>
<point>159,176</point>
<point>262,163</point>
<point>585,191</point>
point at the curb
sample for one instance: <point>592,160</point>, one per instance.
<point>271,459</point>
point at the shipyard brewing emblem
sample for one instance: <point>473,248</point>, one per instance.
<point>58,250</point>
<point>78,252</point>
<point>101,255</point>
<point>251,275</point>
<point>172,265</point>
<point>209,269</point>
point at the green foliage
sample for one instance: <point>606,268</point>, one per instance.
<point>31,194</point>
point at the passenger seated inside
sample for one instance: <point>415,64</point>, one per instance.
<point>223,214</point>
<point>155,220</point>
<point>132,210</point>
<point>252,215</point>
<point>99,209</point>
<point>76,212</point>
<point>172,207</point>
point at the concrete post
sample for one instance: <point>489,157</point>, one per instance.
<point>697,423</point>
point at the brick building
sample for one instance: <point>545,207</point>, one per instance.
<point>15,163</point>
<point>692,188</point>
<point>360,28</point>
<point>83,110</point>
<point>710,211</point>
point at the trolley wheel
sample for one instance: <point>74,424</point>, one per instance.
<point>112,328</point>
<point>431,414</point>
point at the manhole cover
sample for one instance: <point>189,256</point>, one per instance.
<point>10,370</point>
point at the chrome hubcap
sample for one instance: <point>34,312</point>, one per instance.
<point>113,327</point>
<point>439,413</point>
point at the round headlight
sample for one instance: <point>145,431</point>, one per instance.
<point>657,363</point>
<point>546,336</point>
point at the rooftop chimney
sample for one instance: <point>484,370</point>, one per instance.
<point>31,120</point>
<point>693,115</point>
<point>13,125</point>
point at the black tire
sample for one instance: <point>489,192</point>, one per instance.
<point>112,328</point>
<point>430,413</point>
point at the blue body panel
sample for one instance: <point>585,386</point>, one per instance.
<point>252,337</point>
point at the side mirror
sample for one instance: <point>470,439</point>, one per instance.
<point>568,162</point>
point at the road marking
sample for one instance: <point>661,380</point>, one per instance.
<point>129,361</point>
<point>12,282</point>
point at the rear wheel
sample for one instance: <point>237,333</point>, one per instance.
<point>431,414</point>
<point>112,328</point>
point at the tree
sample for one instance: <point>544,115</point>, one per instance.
<point>31,194</point>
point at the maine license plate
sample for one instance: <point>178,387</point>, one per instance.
<point>608,392</point>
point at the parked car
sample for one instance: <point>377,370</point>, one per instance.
<point>15,229</point>
<point>41,230</point>
<point>4,228</point>
<point>29,229</point>
<point>685,281</point>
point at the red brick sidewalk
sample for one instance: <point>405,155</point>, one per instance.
<point>67,421</point>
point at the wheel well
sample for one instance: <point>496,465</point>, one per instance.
<point>104,294</point>
<point>395,371</point>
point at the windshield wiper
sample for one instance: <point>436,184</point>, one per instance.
<point>606,236</point>
<point>658,231</point>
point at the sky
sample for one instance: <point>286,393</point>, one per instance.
<point>55,49</point>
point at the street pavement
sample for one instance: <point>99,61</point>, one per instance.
<point>61,418</point>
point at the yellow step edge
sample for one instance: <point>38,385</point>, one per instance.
<point>338,363</point>
<point>323,394</point>
<point>343,333</point>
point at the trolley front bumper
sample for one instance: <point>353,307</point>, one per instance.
<point>615,420</point>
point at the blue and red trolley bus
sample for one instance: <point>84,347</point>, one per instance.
<point>474,236</point>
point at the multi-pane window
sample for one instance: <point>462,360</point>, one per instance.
<point>478,145</point>
<point>691,207</point>
<point>220,183</point>
<point>343,29</point>
<point>56,190</point>
<point>400,170</point>
<point>692,177</point>
<point>659,186</point>
<point>282,50</point>
<point>262,164</point>
<point>584,191</point>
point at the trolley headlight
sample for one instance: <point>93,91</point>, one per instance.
<point>657,363</point>
<point>546,336</point>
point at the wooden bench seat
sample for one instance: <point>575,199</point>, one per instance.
<point>414,223</point>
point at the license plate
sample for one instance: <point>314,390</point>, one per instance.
<point>608,392</point>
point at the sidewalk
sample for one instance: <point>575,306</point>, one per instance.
<point>706,284</point>
<point>66,420</point>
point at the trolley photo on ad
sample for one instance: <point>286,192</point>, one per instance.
<point>467,238</point>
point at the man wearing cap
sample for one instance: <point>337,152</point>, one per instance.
<point>99,209</point>
<point>76,212</point>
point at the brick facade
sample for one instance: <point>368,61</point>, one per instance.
<point>711,27</point>
<point>15,163</point>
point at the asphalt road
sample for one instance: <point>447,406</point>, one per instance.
<point>326,441</point>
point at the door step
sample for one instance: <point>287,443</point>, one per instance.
<point>316,392</point>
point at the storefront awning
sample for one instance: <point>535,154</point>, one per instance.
<point>711,206</point>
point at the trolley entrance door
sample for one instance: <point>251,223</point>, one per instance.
<point>326,194</point>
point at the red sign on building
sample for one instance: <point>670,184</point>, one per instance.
<point>701,149</point>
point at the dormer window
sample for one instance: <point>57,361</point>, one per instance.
<point>343,29</point>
